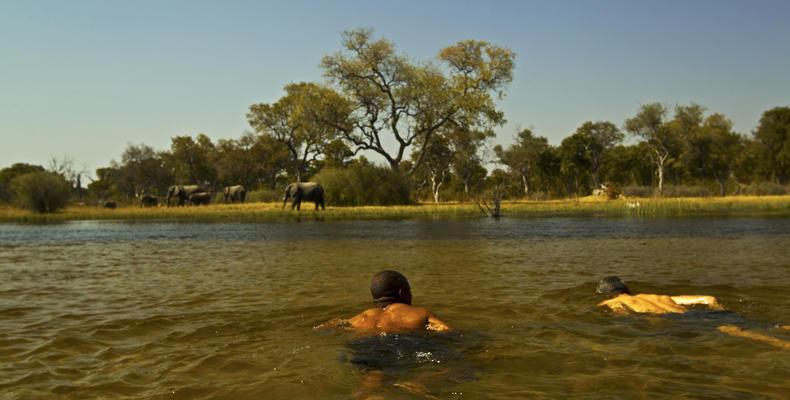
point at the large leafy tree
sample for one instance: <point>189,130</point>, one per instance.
<point>601,138</point>
<point>575,162</point>
<point>435,168</point>
<point>296,121</point>
<point>649,124</point>
<point>141,171</point>
<point>773,135</point>
<point>192,160</point>
<point>523,156</point>
<point>394,104</point>
<point>9,173</point>
<point>467,161</point>
<point>725,146</point>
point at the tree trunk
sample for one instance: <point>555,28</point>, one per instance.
<point>720,180</point>
<point>525,182</point>
<point>435,186</point>
<point>661,161</point>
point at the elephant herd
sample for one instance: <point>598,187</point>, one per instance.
<point>198,195</point>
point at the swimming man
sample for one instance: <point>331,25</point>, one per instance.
<point>394,313</point>
<point>623,302</point>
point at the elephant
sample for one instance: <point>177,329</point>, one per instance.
<point>308,191</point>
<point>237,192</point>
<point>110,204</point>
<point>199,199</point>
<point>182,193</point>
<point>148,201</point>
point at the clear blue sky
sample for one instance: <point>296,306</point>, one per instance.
<point>86,78</point>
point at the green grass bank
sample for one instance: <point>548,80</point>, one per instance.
<point>588,206</point>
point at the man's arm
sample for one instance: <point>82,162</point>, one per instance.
<point>436,325</point>
<point>735,331</point>
<point>335,323</point>
<point>710,301</point>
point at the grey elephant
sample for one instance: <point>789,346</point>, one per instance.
<point>235,193</point>
<point>307,191</point>
<point>148,201</point>
<point>199,199</point>
<point>110,204</point>
<point>182,192</point>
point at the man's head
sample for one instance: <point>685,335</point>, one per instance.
<point>612,285</point>
<point>389,287</point>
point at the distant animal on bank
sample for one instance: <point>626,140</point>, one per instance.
<point>307,191</point>
<point>110,204</point>
<point>235,193</point>
<point>199,199</point>
<point>182,192</point>
<point>148,201</point>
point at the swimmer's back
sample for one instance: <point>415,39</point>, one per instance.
<point>644,303</point>
<point>397,318</point>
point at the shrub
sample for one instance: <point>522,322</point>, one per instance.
<point>639,191</point>
<point>613,190</point>
<point>363,184</point>
<point>685,191</point>
<point>765,189</point>
<point>264,196</point>
<point>41,191</point>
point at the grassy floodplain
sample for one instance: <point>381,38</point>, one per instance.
<point>587,206</point>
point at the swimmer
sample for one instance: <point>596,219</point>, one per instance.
<point>393,312</point>
<point>624,302</point>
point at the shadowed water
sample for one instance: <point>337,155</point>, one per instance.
<point>216,310</point>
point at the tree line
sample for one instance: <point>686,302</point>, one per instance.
<point>432,123</point>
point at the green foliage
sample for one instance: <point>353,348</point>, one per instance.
<point>685,191</point>
<point>773,134</point>
<point>297,121</point>
<point>388,94</point>
<point>41,191</point>
<point>264,196</point>
<point>363,184</point>
<point>8,174</point>
<point>639,191</point>
<point>523,156</point>
<point>192,161</point>
<point>765,189</point>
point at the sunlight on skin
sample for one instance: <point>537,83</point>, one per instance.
<point>735,331</point>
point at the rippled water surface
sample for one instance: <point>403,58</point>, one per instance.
<point>225,310</point>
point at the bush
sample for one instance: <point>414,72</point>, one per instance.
<point>613,191</point>
<point>264,196</point>
<point>639,191</point>
<point>685,191</point>
<point>41,191</point>
<point>764,189</point>
<point>363,184</point>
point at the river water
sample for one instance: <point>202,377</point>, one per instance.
<point>167,310</point>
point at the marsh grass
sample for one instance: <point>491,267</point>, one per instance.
<point>588,206</point>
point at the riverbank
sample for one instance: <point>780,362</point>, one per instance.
<point>588,206</point>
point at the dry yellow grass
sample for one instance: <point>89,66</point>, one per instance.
<point>734,205</point>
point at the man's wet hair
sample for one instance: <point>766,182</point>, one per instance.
<point>612,285</point>
<point>386,286</point>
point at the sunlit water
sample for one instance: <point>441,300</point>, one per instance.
<point>225,310</point>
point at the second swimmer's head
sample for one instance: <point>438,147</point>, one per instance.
<point>612,285</point>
